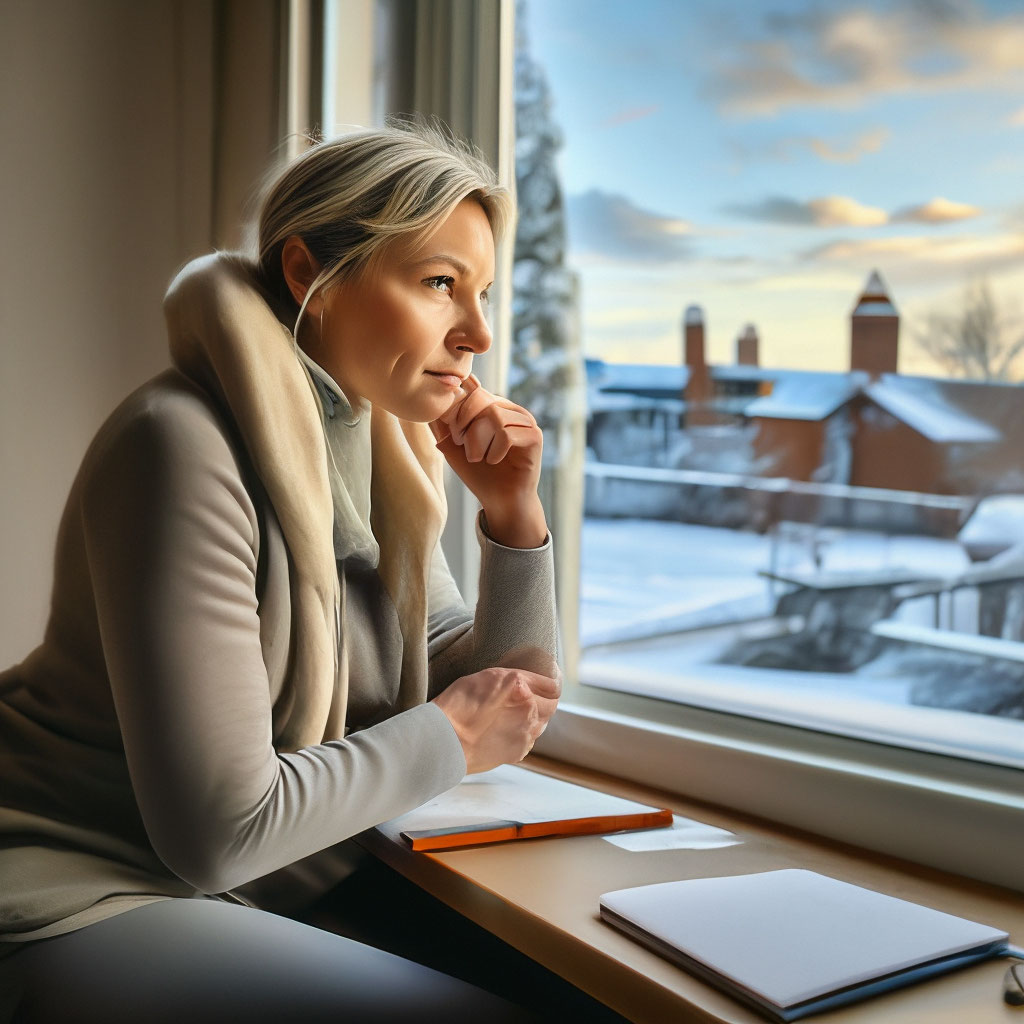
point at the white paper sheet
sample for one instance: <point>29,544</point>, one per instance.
<point>683,834</point>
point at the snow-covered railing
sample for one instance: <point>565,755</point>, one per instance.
<point>965,643</point>
<point>739,500</point>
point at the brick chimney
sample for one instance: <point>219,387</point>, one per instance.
<point>746,347</point>
<point>693,336</point>
<point>697,393</point>
<point>874,330</point>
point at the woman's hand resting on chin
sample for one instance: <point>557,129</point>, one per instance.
<point>495,446</point>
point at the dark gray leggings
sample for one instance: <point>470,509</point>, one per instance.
<point>198,961</point>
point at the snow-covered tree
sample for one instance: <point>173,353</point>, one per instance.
<point>544,297</point>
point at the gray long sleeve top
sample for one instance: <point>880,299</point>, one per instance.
<point>137,760</point>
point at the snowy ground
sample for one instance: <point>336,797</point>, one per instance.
<point>661,602</point>
<point>642,576</point>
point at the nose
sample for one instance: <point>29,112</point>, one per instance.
<point>473,333</point>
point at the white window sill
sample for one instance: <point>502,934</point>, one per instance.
<point>738,691</point>
<point>958,815</point>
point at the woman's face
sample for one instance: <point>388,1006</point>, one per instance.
<point>403,336</point>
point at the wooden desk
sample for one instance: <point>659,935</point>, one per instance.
<point>541,896</point>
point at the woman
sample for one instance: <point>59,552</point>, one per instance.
<point>255,647</point>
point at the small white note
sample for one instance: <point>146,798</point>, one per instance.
<point>683,834</point>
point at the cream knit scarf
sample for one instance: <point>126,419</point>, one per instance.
<point>225,337</point>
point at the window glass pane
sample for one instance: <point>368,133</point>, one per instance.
<point>778,251</point>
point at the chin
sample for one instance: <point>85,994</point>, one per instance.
<point>421,408</point>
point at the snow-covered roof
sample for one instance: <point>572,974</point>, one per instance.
<point>742,371</point>
<point>614,401</point>
<point>637,377</point>
<point>806,395</point>
<point>922,405</point>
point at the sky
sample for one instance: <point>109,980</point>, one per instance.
<point>760,158</point>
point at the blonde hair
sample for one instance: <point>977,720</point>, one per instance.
<point>350,197</point>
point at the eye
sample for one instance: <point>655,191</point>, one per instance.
<point>442,283</point>
<point>485,297</point>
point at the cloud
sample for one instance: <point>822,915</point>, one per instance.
<point>921,258</point>
<point>833,211</point>
<point>842,211</point>
<point>631,114</point>
<point>1017,119</point>
<point>867,142</point>
<point>829,211</point>
<point>937,211</point>
<point>613,227</point>
<point>848,151</point>
<point>813,281</point>
<point>844,57</point>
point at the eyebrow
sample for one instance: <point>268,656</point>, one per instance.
<point>442,257</point>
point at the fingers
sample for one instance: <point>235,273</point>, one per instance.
<point>494,433</point>
<point>440,427</point>
<point>461,414</point>
<point>545,707</point>
<point>547,687</point>
<point>498,713</point>
<point>535,684</point>
<point>477,400</point>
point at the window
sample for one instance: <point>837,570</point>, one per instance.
<point>756,276</point>
<point>813,764</point>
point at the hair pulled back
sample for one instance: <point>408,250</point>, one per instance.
<point>349,197</point>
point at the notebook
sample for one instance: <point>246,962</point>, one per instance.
<point>509,802</point>
<point>791,943</point>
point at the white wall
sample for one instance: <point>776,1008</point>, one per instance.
<point>98,207</point>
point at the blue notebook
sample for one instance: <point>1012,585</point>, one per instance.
<point>792,943</point>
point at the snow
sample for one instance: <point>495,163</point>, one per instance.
<point>620,401</point>
<point>875,308</point>
<point>921,405</point>
<point>747,373</point>
<point>669,597</point>
<point>803,395</point>
<point>986,646</point>
<point>637,377</point>
<point>642,574</point>
<point>996,525</point>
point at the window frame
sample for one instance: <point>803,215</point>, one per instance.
<point>946,812</point>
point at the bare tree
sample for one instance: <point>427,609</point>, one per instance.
<point>979,341</point>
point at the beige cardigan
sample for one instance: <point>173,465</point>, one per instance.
<point>137,755</point>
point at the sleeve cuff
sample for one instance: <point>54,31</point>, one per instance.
<point>435,731</point>
<point>486,539</point>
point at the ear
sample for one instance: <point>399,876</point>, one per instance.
<point>300,269</point>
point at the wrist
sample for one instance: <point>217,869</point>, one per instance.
<point>521,526</point>
<point>455,720</point>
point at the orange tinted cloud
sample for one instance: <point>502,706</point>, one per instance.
<point>631,114</point>
<point>828,211</point>
<point>937,211</point>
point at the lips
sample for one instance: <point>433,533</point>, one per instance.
<point>447,377</point>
